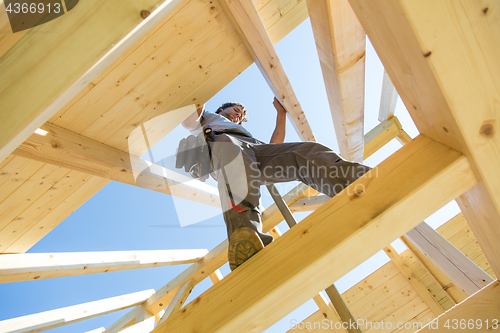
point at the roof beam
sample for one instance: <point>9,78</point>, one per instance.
<point>340,41</point>
<point>407,187</point>
<point>56,318</point>
<point>442,57</point>
<point>51,68</point>
<point>464,273</point>
<point>74,151</point>
<point>482,309</point>
<point>35,266</point>
<point>246,20</point>
<point>388,99</point>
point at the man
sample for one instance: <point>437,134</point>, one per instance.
<point>241,163</point>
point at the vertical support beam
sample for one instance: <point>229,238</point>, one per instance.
<point>388,99</point>
<point>414,281</point>
<point>343,311</point>
<point>484,221</point>
<point>340,41</point>
<point>464,273</point>
<point>247,22</point>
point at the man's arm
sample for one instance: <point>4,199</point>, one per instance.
<point>193,120</point>
<point>279,132</point>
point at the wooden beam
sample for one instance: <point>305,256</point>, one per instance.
<point>414,281</point>
<point>455,294</point>
<point>480,311</point>
<point>340,41</point>
<point>381,134</point>
<point>327,310</point>
<point>35,266</point>
<point>178,300</point>
<point>342,309</point>
<point>216,276</point>
<point>484,221</point>
<point>70,150</point>
<point>246,20</point>
<point>464,273</point>
<point>442,57</point>
<point>51,68</point>
<point>388,99</point>
<point>55,318</point>
<point>309,203</point>
<point>408,186</point>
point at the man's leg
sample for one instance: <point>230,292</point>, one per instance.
<point>312,163</point>
<point>239,188</point>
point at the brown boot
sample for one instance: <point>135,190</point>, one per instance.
<point>244,243</point>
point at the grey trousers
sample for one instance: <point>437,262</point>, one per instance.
<point>241,164</point>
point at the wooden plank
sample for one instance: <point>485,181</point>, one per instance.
<point>40,208</point>
<point>327,312</point>
<point>388,99</point>
<point>56,215</point>
<point>251,29</point>
<point>34,266</point>
<point>309,203</point>
<point>426,167</point>
<point>414,281</point>
<point>428,279</point>
<point>340,41</point>
<point>454,264</point>
<point>56,318</point>
<point>381,135</point>
<point>481,310</point>
<point>32,189</point>
<point>70,150</point>
<point>29,67</point>
<point>178,300</point>
<point>484,221</point>
<point>342,309</point>
<point>455,293</point>
<point>216,276</point>
<point>442,59</point>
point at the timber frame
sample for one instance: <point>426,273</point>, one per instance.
<point>105,109</point>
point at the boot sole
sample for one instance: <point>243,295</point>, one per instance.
<point>243,245</point>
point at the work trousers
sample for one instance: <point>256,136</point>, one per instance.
<point>242,164</point>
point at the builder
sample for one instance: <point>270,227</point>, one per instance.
<point>242,163</point>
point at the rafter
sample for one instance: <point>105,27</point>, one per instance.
<point>340,41</point>
<point>37,65</point>
<point>70,150</point>
<point>246,20</point>
<point>56,318</point>
<point>35,266</point>
<point>329,250</point>
<point>464,273</point>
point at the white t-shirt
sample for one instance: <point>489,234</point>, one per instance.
<point>219,124</point>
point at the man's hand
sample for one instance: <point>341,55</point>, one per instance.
<point>279,131</point>
<point>193,120</point>
<point>279,108</point>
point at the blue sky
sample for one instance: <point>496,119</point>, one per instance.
<point>123,217</point>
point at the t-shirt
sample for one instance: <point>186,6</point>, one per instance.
<point>219,124</point>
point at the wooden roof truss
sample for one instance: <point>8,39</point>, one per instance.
<point>440,56</point>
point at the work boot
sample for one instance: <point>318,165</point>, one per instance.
<point>243,244</point>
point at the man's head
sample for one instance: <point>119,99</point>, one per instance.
<point>233,111</point>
